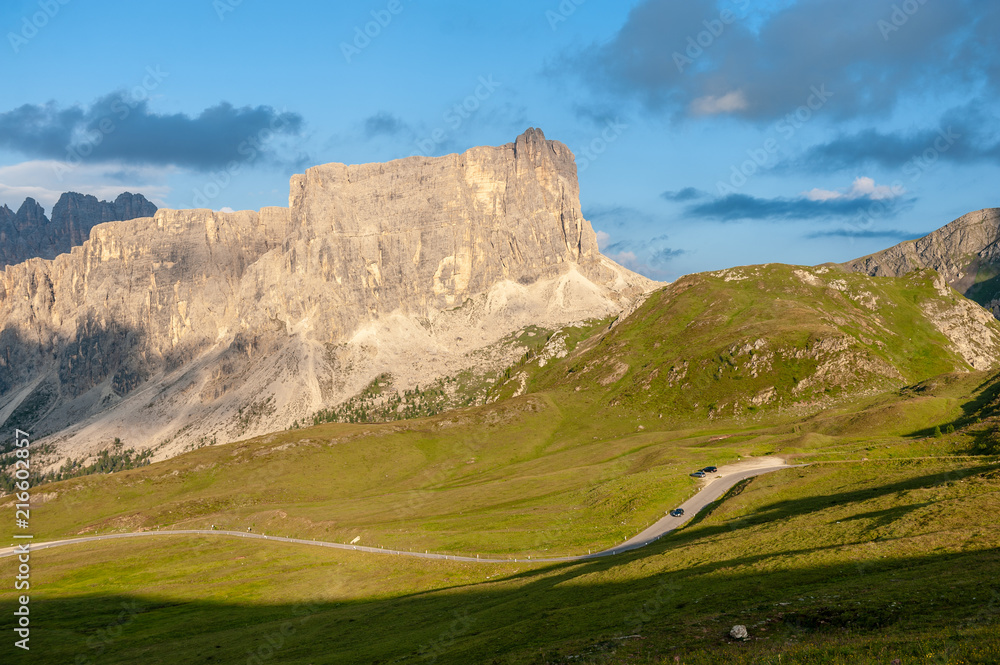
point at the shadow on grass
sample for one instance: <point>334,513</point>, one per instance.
<point>783,510</point>
<point>986,403</point>
<point>586,612</point>
<point>559,614</point>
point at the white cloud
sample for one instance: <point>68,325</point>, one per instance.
<point>867,187</point>
<point>602,239</point>
<point>46,180</point>
<point>861,188</point>
<point>630,261</point>
<point>715,105</point>
<point>627,259</point>
<point>823,195</point>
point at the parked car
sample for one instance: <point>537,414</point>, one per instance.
<point>710,469</point>
<point>677,512</point>
<point>698,474</point>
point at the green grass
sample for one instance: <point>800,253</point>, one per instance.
<point>751,348</point>
<point>834,563</point>
<point>481,481</point>
<point>528,476</point>
<point>817,561</point>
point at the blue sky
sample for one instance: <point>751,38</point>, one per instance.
<point>708,134</point>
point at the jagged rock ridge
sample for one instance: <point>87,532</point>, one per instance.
<point>28,233</point>
<point>965,253</point>
<point>195,326</point>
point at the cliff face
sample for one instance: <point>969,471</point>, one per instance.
<point>195,326</point>
<point>426,234</point>
<point>28,233</point>
<point>964,252</point>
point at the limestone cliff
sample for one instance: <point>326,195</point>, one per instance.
<point>965,253</point>
<point>194,326</point>
<point>28,233</point>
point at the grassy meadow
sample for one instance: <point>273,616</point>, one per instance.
<point>831,563</point>
<point>883,548</point>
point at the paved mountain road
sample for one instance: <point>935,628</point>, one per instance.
<point>713,489</point>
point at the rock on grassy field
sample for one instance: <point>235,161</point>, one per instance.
<point>829,564</point>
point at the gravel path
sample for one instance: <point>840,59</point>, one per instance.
<point>713,488</point>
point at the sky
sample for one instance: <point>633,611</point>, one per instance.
<point>708,134</point>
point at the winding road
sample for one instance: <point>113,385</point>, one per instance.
<point>712,490</point>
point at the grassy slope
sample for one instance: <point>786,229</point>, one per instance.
<point>522,477</point>
<point>689,351</point>
<point>835,563</point>
<point>558,471</point>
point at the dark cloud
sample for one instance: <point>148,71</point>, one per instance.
<point>39,130</point>
<point>457,132</point>
<point>737,207</point>
<point>597,114</point>
<point>888,234</point>
<point>384,124</point>
<point>665,255</point>
<point>647,256</point>
<point>117,128</point>
<point>620,246</point>
<point>618,216</point>
<point>761,63</point>
<point>610,216</point>
<point>966,135</point>
<point>686,194</point>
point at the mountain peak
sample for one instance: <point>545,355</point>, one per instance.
<point>31,234</point>
<point>416,267</point>
<point>965,252</point>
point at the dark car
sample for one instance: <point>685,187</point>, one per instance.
<point>710,469</point>
<point>698,474</point>
<point>677,512</point>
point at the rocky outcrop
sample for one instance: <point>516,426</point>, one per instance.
<point>965,253</point>
<point>28,233</point>
<point>195,326</point>
<point>74,215</point>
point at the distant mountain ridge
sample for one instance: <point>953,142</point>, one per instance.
<point>195,327</point>
<point>966,253</point>
<point>28,233</point>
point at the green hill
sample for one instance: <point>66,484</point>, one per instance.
<point>863,557</point>
<point>770,338</point>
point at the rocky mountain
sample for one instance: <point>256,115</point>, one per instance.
<point>193,326</point>
<point>965,253</point>
<point>738,343</point>
<point>28,233</point>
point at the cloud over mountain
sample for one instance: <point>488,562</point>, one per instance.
<point>119,128</point>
